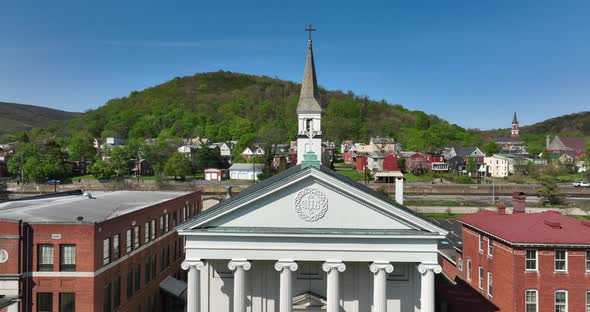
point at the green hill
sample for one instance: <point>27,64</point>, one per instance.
<point>17,117</point>
<point>225,105</point>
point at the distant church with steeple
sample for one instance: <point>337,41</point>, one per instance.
<point>512,144</point>
<point>309,111</point>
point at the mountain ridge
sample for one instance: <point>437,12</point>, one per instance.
<point>19,117</point>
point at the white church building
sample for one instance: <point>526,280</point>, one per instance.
<point>309,239</point>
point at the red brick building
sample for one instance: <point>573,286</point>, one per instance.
<point>108,251</point>
<point>525,261</point>
<point>390,163</point>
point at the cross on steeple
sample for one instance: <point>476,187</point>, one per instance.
<point>310,29</point>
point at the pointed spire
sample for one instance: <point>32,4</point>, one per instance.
<point>308,99</point>
<point>514,120</point>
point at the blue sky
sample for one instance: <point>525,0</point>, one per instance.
<point>471,62</point>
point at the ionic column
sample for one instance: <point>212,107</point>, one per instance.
<point>380,271</point>
<point>239,267</point>
<point>427,286</point>
<point>193,292</point>
<point>333,269</point>
<point>286,291</point>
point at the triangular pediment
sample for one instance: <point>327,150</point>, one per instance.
<point>314,199</point>
<point>307,301</point>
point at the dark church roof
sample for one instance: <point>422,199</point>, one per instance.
<point>308,99</point>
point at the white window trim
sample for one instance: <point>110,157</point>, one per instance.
<point>490,283</point>
<point>555,297</point>
<point>480,276</point>
<point>555,260</point>
<point>480,244</point>
<point>536,298</point>
<point>587,267</point>
<point>536,261</point>
<point>469,269</point>
<point>588,301</point>
<point>460,264</point>
<point>490,248</point>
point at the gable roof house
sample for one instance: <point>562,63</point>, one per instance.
<point>574,147</point>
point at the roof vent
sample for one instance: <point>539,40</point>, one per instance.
<point>553,224</point>
<point>80,218</point>
<point>87,194</point>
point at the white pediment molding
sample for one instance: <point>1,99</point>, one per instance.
<point>357,193</point>
<point>309,302</point>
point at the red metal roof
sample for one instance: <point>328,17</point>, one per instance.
<point>576,143</point>
<point>531,228</point>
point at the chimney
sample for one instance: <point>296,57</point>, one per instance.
<point>518,202</point>
<point>547,142</point>
<point>501,210</point>
<point>228,192</point>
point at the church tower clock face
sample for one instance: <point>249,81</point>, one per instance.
<point>311,204</point>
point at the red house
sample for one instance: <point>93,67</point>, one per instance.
<point>390,163</point>
<point>361,162</point>
<point>524,261</point>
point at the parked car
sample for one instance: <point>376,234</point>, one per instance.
<point>581,184</point>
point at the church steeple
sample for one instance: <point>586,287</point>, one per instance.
<point>309,111</point>
<point>308,99</point>
<point>515,131</point>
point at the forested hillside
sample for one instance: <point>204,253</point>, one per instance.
<point>225,105</point>
<point>15,117</point>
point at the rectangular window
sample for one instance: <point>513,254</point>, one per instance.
<point>67,302</point>
<point>117,292</point>
<point>490,248</point>
<point>163,260</point>
<point>129,284</point>
<point>67,258</point>
<point>153,229</point>
<point>129,241</point>
<point>45,258</point>
<point>480,281</point>
<point>183,214</point>
<point>530,300</point>
<point>166,223</point>
<point>560,301</point>
<point>146,237</point>
<point>137,276</point>
<point>136,237</point>
<point>148,269</point>
<point>531,260</point>
<point>587,260</point>
<point>44,302</point>
<point>460,264</point>
<point>480,243</point>
<point>490,293</point>
<point>468,269</point>
<point>116,246</point>
<point>154,266</point>
<point>106,298</point>
<point>588,301</point>
<point>561,260</point>
<point>161,225</point>
<point>106,251</point>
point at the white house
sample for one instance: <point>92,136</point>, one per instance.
<point>244,171</point>
<point>254,150</point>
<point>499,166</point>
<point>309,239</point>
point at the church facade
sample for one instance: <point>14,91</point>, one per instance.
<point>309,239</point>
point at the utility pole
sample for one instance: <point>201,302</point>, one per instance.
<point>22,176</point>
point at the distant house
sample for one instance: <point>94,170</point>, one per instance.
<point>382,144</point>
<point>361,162</point>
<point>225,148</point>
<point>375,161</point>
<point>457,164</point>
<point>470,151</point>
<point>254,150</point>
<point>390,163</point>
<point>574,147</point>
<point>213,174</point>
<point>244,171</point>
<point>345,145</point>
<point>499,166</point>
<point>350,154</point>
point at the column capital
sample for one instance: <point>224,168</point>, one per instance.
<point>377,266</point>
<point>187,264</point>
<point>286,264</point>
<point>424,267</point>
<point>235,263</point>
<point>329,265</point>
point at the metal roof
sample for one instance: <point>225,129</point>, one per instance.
<point>308,99</point>
<point>66,209</point>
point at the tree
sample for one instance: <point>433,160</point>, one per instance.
<point>418,166</point>
<point>491,148</point>
<point>81,148</point>
<point>4,193</point>
<point>472,166</point>
<point>549,192</point>
<point>178,166</point>
<point>102,170</point>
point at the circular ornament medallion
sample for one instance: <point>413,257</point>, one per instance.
<point>311,204</point>
<point>3,255</point>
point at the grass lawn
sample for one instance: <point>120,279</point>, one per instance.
<point>343,165</point>
<point>352,174</point>
<point>83,177</point>
<point>409,177</point>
